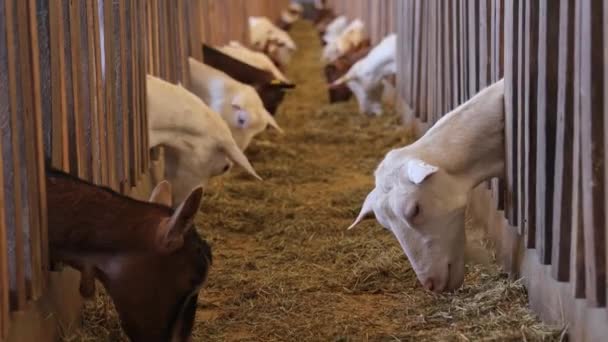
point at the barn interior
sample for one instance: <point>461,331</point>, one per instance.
<point>284,265</point>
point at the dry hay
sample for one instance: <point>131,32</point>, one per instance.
<point>285,268</point>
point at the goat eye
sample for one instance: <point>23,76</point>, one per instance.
<point>416,210</point>
<point>412,212</point>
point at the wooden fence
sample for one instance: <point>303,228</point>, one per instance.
<point>72,94</point>
<point>267,8</point>
<point>23,245</point>
<point>378,15</point>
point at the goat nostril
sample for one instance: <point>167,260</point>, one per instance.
<point>226,168</point>
<point>429,284</point>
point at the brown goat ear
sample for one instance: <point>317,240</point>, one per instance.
<point>172,232</point>
<point>162,194</point>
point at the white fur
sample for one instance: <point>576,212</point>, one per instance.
<point>365,77</point>
<point>335,28</point>
<point>270,39</point>
<point>463,149</point>
<point>296,7</point>
<point>347,40</point>
<point>198,142</point>
<point>237,103</point>
<point>257,59</point>
<point>288,18</point>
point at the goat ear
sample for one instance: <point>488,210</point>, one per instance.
<point>172,233</point>
<point>367,208</point>
<point>162,194</point>
<point>418,171</point>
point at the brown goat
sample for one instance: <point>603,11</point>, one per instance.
<point>271,91</point>
<point>149,257</point>
<point>339,67</point>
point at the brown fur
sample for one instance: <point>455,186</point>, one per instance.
<point>148,256</point>
<point>339,67</point>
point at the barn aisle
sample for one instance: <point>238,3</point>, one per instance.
<point>286,269</point>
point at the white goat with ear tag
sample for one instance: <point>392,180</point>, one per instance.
<point>418,171</point>
<point>237,103</point>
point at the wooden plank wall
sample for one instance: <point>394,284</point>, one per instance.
<point>552,55</point>
<point>267,8</point>
<point>379,16</point>
<point>94,123</point>
<point>72,94</point>
<point>23,245</point>
<point>226,20</point>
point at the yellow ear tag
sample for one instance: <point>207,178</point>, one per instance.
<point>275,82</point>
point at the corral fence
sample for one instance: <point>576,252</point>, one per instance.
<point>73,96</point>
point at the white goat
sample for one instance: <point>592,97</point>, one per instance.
<point>238,104</point>
<point>334,29</point>
<point>259,60</point>
<point>422,189</point>
<point>365,77</point>
<point>352,36</point>
<point>270,39</point>
<point>198,144</point>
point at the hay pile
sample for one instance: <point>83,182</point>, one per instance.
<point>285,268</point>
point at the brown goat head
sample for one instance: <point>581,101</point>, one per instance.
<point>339,67</point>
<point>271,91</point>
<point>149,257</point>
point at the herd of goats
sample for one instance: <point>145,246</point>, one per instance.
<point>148,254</point>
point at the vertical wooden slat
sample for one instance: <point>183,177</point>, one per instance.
<point>529,108</point>
<point>421,104</point>
<point>75,124</point>
<point>143,141</point>
<point>546,123</point>
<point>485,45</point>
<point>59,129</point>
<point>564,161</point>
<point>40,185</point>
<point>30,187</point>
<point>13,185</point>
<point>133,154</point>
<point>110,110</point>
<point>592,145</point>
<point>580,265</point>
<point>511,71</point>
<point>94,98</point>
<point>465,50</point>
<point>473,43</point>
<point>448,55</point>
<point>101,59</point>
<point>4,274</point>
<point>418,48</point>
<point>431,63</point>
<point>457,55</point>
<point>124,87</point>
<point>194,9</point>
<point>4,99</point>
